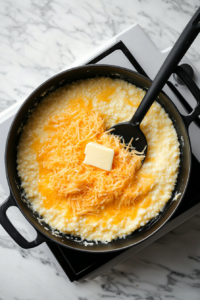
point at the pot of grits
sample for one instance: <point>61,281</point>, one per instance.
<point>77,204</point>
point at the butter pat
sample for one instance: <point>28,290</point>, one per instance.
<point>99,156</point>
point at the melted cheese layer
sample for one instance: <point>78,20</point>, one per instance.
<point>114,101</point>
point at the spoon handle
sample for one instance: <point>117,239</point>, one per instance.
<point>180,48</point>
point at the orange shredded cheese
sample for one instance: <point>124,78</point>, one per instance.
<point>64,178</point>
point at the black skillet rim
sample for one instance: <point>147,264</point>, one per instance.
<point>89,249</point>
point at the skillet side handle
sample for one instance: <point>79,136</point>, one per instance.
<point>12,231</point>
<point>195,92</point>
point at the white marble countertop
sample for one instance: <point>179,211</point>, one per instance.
<point>38,39</point>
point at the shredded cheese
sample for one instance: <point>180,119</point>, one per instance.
<point>83,201</point>
<point>64,177</point>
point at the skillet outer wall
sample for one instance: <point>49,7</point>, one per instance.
<point>85,72</point>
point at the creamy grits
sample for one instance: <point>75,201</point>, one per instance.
<point>114,101</point>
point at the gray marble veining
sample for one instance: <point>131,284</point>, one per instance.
<point>38,39</point>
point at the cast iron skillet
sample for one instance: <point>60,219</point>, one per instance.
<point>16,198</point>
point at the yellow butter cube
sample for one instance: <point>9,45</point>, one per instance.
<point>99,156</point>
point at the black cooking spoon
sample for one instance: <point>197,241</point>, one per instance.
<point>131,129</point>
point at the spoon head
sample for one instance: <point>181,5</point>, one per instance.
<point>126,131</point>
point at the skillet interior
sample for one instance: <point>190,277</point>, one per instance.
<point>91,72</point>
